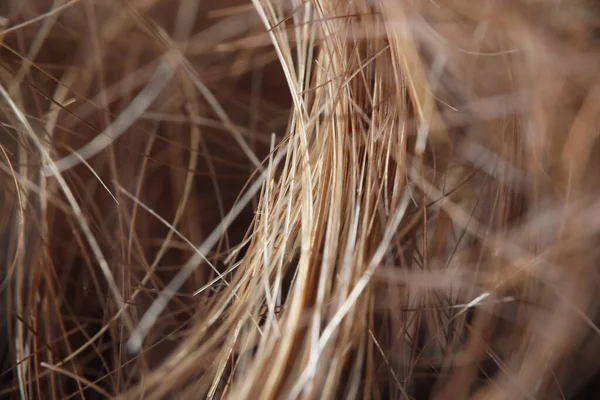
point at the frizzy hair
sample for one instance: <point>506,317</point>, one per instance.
<point>289,199</point>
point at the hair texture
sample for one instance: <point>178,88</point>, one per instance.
<point>299,199</point>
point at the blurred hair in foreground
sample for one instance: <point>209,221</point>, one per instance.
<point>289,199</point>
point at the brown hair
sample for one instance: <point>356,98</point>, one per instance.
<point>299,199</point>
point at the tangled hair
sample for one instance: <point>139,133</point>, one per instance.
<point>299,199</point>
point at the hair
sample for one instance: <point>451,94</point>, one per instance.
<point>290,199</point>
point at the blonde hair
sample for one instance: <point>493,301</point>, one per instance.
<point>299,199</point>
